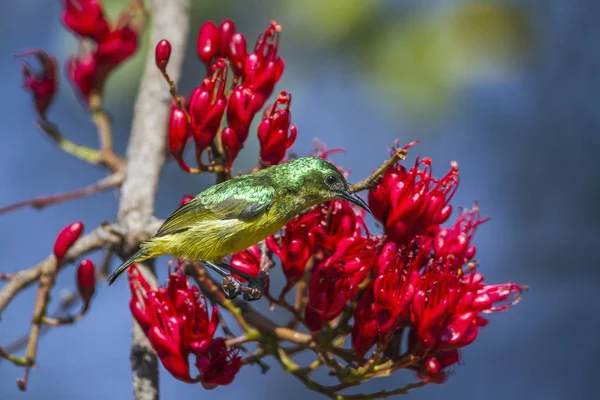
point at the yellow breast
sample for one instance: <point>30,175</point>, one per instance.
<point>212,240</point>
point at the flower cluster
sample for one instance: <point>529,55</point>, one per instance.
<point>412,292</point>
<point>235,100</point>
<point>112,43</point>
<point>178,323</point>
<point>105,46</point>
<point>418,278</point>
<point>43,85</point>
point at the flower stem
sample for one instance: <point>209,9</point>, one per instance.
<point>84,153</point>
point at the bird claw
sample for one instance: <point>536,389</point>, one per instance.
<point>255,289</point>
<point>251,294</point>
<point>231,287</point>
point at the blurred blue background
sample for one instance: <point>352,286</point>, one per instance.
<point>508,89</point>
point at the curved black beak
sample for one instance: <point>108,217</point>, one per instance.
<point>353,198</point>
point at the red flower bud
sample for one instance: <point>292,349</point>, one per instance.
<point>231,144</point>
<point>86,281</point>
<point>162,53</point>
<point>185,199</point>
<point>178,323</point>
<point>432,365</point>
<point>217,363</point>
<point>237,53</point>
<point>329,288</point>
<point>364,331</point>
<point>412,202</point>
<point>82,72</point>
<point>273,131</point>
<point>178,134</point>
<point>243,105</point>
<point>66,238</point>
<point>86,18</point>
<point>44,85</point>
<point>207,106</point>
<point>207,45</point>
<point>262,69</point>
<point>226,32</point>
<point>119,45</point>
<point>247,261</point>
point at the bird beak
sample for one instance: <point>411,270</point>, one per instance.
<point>353,198</point>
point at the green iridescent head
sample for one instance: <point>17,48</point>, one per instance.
<point>318,178</point>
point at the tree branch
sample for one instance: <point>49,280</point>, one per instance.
<point>101,237</point>
<point>110,181</point>
<point>146,155</point>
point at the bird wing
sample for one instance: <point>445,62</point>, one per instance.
<point>220,203</point>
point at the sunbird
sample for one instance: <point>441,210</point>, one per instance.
<point>238,213</point>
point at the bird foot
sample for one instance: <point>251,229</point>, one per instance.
<point>232,287</point>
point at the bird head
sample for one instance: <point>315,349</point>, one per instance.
<point>322,181</point>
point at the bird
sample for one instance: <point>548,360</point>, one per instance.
<point>238,213</point>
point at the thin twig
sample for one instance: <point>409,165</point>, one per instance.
<point>84,153</point>
<point>251,317</point>
<point>110,181</point>
<point>6,276</point>
<point>102,121</point>
<point>18,361</point>
<point>66,303</point>
<point>372,179</point>
<point>47,280</point>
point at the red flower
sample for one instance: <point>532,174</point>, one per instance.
<point>231,144</point>
<point>86,18</point>
<point>178,135</point>
<point>330,232</point>
<point>386,300</point>
<point>118,46</point>
<point>365,330</point>
<point>44,85</point>
<point>329,288</point>
<point>207,106</point>
<point>176,319</point>
<point>86,281</point>
<point>355,256</point>
<point>214,42</point>
<point>412,202</point>
<point>82,72</point>
<point>89,70</point>
<point>237,53</point>
<point>247,261</point>
<point>207,45</point>
<point>217,363</point>
<point>432,367</point>
<point>393,290</point>
<point>67,238</point>
<point>263,68</point>
<point>446,309</point>
<point>296,246</point>
<point>338,220</point>
<point>275,133</point>
<point>243,105</point>
<point>454,243</point>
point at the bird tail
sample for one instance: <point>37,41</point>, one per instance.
<point>141,255</point>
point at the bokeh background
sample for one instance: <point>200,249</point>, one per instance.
<point>508,89</point>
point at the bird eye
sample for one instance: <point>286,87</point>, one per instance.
<point>330,179</point>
